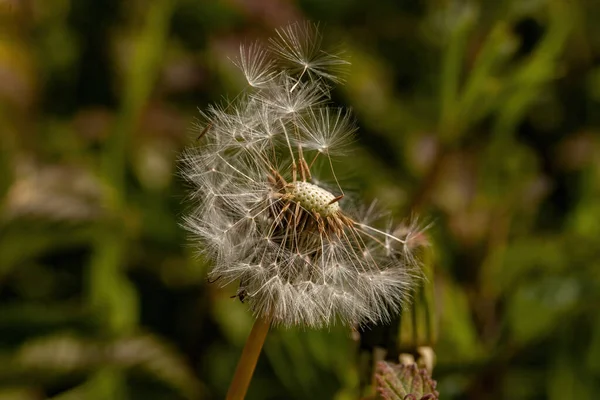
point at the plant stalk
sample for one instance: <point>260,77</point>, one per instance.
<point>247,363</point>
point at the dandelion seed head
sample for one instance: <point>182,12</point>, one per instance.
<point>312,197</point>
<point>263,216</point>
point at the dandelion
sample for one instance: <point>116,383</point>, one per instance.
<point>299,253</point>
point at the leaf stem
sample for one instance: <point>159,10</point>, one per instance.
<point>247,363</point>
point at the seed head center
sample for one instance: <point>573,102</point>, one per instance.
<point>313,198</point>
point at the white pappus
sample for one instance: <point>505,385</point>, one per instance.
<point>299,256</point>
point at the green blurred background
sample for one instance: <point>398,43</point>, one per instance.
<point>481,117</point>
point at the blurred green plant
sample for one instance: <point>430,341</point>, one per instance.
<point>483,115</point>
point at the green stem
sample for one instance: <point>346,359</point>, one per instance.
<point>416,340</point>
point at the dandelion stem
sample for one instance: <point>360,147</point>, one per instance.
<point>247,363</point>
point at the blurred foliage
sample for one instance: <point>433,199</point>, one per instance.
<point>482,117</point>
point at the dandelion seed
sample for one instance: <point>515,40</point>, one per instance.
<point>327,130</point>
<point>299,48</point>
<point>298,253</point>
<point>256,65</point>
<point>289,96</point>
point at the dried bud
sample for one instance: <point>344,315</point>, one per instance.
<point>404,382</point>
